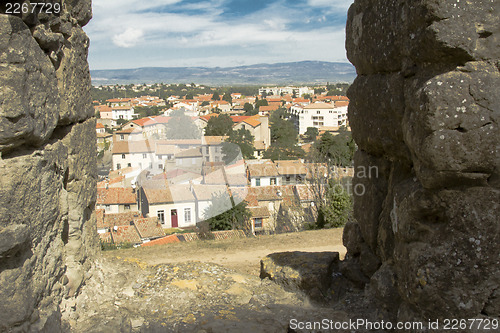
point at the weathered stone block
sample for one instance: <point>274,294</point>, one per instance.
<point>29,95</point>
<point>311,273</point>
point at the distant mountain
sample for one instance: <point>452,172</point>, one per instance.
<point>303,72</point>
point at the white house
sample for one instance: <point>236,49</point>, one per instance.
<point>318,115</point>
<point>263,174</point>
<point>174,205</point>
<point>204,194</point>
<point>123,112</point>
<point>116,200</point>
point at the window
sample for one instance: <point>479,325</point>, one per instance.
<point>160,166</point>
<point>122,137</point>
<point>169,157</point>
<point>187,215</point>
<point>123,156</point>
<point>161,216</point>
<point>144,156</point>
<point>216,149</point>
<point>107,207</point>
<point>287,178</point>
<point>207,150</point>
<point>118,166</point>
<point>127,207</point>
<point>129,165</point>
<point>257,223</point>
<point>273,181</point>
<point>257,181</point>
<point>318,112</point>
<point>217,159</point>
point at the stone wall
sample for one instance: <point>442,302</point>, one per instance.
<point>425,111</point>
<point>47,165</point>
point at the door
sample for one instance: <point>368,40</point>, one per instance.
<point>173,218</point>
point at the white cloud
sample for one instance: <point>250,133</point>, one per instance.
<point>334,4</point>
<point>202,35</point>
<point>129,38</point>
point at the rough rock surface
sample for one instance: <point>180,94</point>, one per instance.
<point>316,274</point>
<point>131,296</point>
<point>425,111</point>
<point>47,166</point>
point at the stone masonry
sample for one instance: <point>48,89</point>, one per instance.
<point>425,111</point>
<point>47,165</point>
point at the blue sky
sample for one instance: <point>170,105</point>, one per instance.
<point>168,33</point>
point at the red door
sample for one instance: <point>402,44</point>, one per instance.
<point>173,218</point>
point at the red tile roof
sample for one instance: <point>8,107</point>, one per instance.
<point>125,234</point>
<point>262,170</point>
<point>115,195</point>
<point>149,227</point>
<point>319,105</point>
<point>164,240</point>
<point>258,211</point>
<point>291,167</point>
<point>110,220</point>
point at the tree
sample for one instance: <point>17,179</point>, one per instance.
<point>215,96</point>
<point>338,149</point>
<point>181,126</point>
<point>147,111</point>
<point>189,96</point>
<point>121,121</point>
<point>228,98</point>
<point>232,216</point>
<point>283,139</point>
<point>311,134</point>
<point>261,102</point>
<point>238,141</point>
<point>219,126</point>
<point>204,103</point>
<point>337,208</point>
<point>249,110</point>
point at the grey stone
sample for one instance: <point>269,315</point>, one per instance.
<point>29,95</point>
<point>425,110</point>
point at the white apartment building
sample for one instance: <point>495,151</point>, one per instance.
<point>319,115</point>
<point>277,91</point>
<point>123,112</point>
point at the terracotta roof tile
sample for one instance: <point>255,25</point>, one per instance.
<point>292,167</point>
<point>125,234</point>
<point>169,194</point>
<point>164,240</point>
<point>124,147</point>
<point>149,227</point>
<point>116,195</point>
<point>258,211</point>
<point>110,220</point>
<point>319,106</point>
<point>262,170</point>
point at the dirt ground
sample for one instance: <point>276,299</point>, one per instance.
<point>205,286</point>
<point>242,255</point>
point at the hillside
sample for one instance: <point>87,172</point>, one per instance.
<point>304,72</point>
